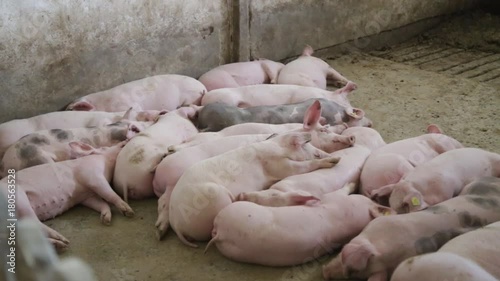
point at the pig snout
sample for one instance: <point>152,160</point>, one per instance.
<point>347,141</point>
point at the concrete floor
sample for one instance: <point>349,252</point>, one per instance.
<point>400,94</point>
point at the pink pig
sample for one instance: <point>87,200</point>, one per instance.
<point>297,189</point>
<point>285,236</point>
<point>48,190</point>
<point>239,74</point>
<point>173,166</point>
<point>12,131</point>
<point>387,241</point>
<point>439,179</point>
<point>135,164</point>
<point>210,185</point>
<point>469,257</point>
<point>258,95</point>
<point>310,71</point>
<point>389,163</point>
<point>161,92</point>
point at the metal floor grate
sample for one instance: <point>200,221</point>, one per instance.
<point>476,65</point>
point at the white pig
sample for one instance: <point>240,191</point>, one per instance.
<point>296,189</point>
<point>310,71</point>
<point>387,241</point>
<point>46,191</point>
<point>160,92</point>
<point>12,131</point>
<point>239,74</point>
<point>133,177</point>
<point>469,257</point>
<point>285,236</point>
<point>439,179</point>
<point>210,185</point>
<point>48,146</point>
<point>258,95</point>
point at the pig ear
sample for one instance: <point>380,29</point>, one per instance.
<point>81,106</point>
<point>378,210</point>
<point>356,257</point>
<point>130,114</point>
<point>308,51</point>
<point>414,201</point>
<point>356,113</point>
<point>382,194</point>
<point>81,149</point>
<point>434,129</point>
<point>312,115</point>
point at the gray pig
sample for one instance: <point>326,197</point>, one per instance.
<point>217,116</point>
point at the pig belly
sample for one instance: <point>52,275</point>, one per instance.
<point>193,209</point>
<point>440,266</point>
<point>382,169</point>
<point>248,232</point>
<point>51,190</point>
<point>259,128</point>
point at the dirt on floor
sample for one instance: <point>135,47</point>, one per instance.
<point>400,97</point>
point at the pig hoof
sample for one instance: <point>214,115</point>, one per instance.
<point>106,218</point>
<point>330,162</point>
<point>171,149</point>
<point>129,213</point>
<point>241,197</point>
<point>60,246</point>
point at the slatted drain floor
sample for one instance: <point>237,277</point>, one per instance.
<point>476,65</point>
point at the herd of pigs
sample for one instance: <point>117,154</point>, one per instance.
<point>259,159</point>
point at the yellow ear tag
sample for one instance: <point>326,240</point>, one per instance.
<point>415,201</point>
<point>386,213</point>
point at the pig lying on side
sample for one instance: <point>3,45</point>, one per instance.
<point>173,166</point>
<point>468,257</point>
<point>296,189</point>
<point>212,184</point>
<point>285,236</point>
<point>12,131</point>
<point>389,163</point>
<point>161,92</point>
<point>217,116</point>
<point>135,164</point>
<point>259,95</point>
<point>48,190</point>
<point>310,71</point>
<point>239,74</point>
<point>52,145</point>
<point>439,179</point>
<point>387,241</point>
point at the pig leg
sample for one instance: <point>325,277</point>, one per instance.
<point>163,216</point>
<point>337,79</point>
<point>99,205</point>
<point>100,185</point>
<point>302,167</point>
<point>277,198</point>
<point>25,210</point>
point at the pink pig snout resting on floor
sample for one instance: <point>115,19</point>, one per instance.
<point>375,253</point>
<point>239,74</point>
<point>293,190</point>
<point>48,190</point>
<point>210,185</point>
<point>439,179</point>
<point>284,236</point>
<point>161,92</point>
<point>389,163</point>
<point>310,71</point>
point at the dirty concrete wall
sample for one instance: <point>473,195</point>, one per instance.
<point>280,29</point>
<point>52,52</point>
